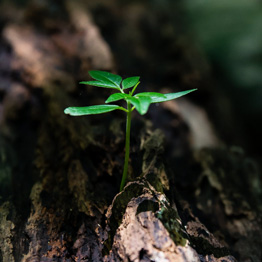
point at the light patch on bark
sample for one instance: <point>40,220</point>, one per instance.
<point>6,235</point>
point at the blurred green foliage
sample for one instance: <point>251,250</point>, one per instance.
<point>230,33</point>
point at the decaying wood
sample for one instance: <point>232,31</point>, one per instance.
<point>64,172</point>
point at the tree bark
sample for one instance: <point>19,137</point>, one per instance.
<point>60,175</point>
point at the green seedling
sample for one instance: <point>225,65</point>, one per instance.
<point>139,101</point>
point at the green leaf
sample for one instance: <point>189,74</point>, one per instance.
<point>155,97</point>
<point>141,103</point>
<point>91,110</point>
<point>172,96</point>
<point>130,82</point>
<point>158,97</point>
<point>100,84</point>
<point>116,97</point>
<point>106,77</point>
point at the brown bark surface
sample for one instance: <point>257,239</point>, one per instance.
<point>60,175</point>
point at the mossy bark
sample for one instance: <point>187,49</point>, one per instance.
<point>60,175</point>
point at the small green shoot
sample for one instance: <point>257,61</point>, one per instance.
<point>139,101</point>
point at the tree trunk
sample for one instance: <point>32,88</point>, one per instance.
<point>60,175</point>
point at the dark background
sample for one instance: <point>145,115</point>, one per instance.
<point>222,41</point>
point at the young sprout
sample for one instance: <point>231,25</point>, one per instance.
<point>139,101</point>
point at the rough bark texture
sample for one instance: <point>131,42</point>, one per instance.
<point>60,175</point>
